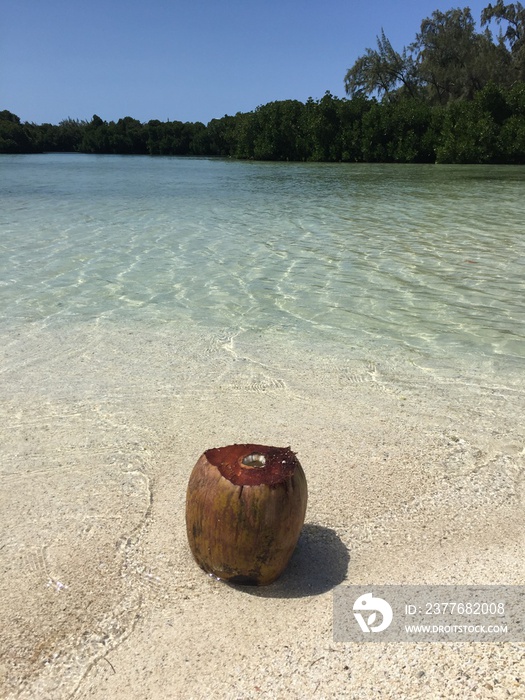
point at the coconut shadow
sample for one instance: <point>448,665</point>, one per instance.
<point>318,564</point>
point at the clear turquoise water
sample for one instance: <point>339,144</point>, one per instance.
<point>422,260</point>
<point>370,316</point>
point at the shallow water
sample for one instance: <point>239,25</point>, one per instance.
<point>424,260</point>
<point>369,316</point>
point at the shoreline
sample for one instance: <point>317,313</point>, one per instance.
<point>412,478</point>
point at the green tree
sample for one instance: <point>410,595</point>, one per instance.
<point>325,130</point>
<point>127,136</point>
<point>400,132</point>
<point>68,135</point>
<point>409,126</point>
<point>449,59</point>
<point>221,136</point>
<point>245,134</point>
<point>351,113</point>
<point>469,134</point>
<point>374,136</point>
<point>454,61</point>
<point>512,17</point>
<point>511,146</point>
<point>7,116</point>
<point>16,137</point>
<point>382,71</point>
<point>95,138</point>
<point>279,131</point>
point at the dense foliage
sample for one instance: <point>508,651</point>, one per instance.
<point>455,95</point>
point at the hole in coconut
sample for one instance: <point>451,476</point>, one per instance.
<point>254,460</point>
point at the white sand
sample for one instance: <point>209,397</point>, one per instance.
<point>413,478</point>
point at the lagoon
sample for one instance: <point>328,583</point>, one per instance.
<point>370,316</point>
<point>423,260</point>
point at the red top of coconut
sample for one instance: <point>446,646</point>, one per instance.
<point>253,465</point>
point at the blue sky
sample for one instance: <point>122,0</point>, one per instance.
<point>188,60</point>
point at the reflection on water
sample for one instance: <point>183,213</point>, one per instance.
<point>425,257</point>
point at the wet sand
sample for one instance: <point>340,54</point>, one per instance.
<point>415,476</point>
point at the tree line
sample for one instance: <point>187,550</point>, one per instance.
<point>455,95</point>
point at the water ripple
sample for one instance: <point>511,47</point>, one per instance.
<point>425,256</point>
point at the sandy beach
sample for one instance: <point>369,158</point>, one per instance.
<point>414,477</point>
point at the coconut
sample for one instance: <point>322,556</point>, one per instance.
<point>245,508</point>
